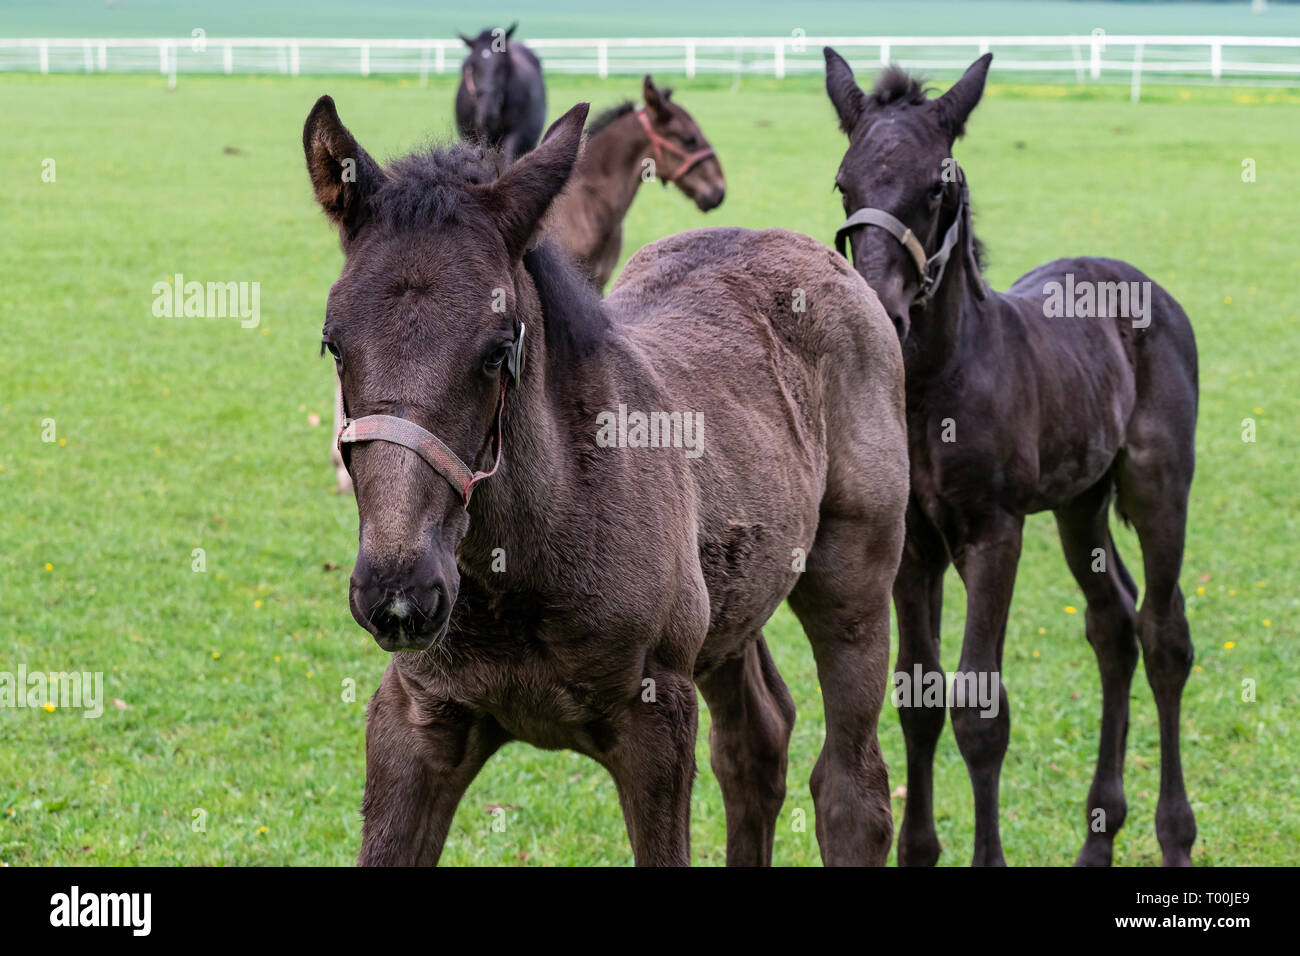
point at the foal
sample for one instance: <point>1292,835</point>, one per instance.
<point>1014,409</point>
<point>577,596</point>
<point>501,99</point>
<point>587,219</point>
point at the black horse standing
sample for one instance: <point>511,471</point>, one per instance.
<point>1017,405</point>
<point>501,100</point>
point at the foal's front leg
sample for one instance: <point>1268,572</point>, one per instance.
<point>987,564</point>
<point>420,758</point>
<point>653,765</point>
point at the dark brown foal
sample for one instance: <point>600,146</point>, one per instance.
<point>1075,387</point>
<point>666,466</point>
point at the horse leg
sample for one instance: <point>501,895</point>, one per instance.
<point>416,773</point>
<point>1090,552</point>
<point>1156,503</point>
<point>653,765</point>
<point>336,459</point>
<point>842,600</point>
<point>752,714</point>
<point>987,565</point>
<point>918,602</point>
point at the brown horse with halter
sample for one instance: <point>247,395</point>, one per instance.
<point>574,510</point>
<point>625,147</point>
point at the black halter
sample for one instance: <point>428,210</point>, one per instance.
<point>929,268</point>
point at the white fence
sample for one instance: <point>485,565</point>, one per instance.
<point>1273,61</point>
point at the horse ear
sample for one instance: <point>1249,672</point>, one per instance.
<point>466,40</point>
<point>841,86</point>
<point>520,198</point>
<point>655,100</point>
<point>342,173</point>
<point>511,32</point>
<point>956,105</point>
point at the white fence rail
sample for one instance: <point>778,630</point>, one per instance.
<point>1273,61</point>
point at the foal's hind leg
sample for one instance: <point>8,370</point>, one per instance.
<point>918,602</point>
<point>752,714</point>
<point>1155,500</point>
<point>842,599</point>
<point>1095,564</point>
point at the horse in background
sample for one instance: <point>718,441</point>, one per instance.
<point>501,100</point>
<point>626,146</point>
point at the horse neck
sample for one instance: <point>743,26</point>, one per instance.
<point>939,326</point>
<point>610,167</point>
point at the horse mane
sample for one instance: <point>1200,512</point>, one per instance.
<point>576,322</point>
<point>597,126</point>
<point>896,87</point>
<point>432,187</point>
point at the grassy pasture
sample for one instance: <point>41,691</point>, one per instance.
<point>226,688</point>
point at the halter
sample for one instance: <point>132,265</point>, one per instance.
<point>660,144</point>
<point>404,432</point>
<point>930,269</point>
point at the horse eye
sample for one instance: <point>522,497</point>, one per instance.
<point>495,361</point>
<point>936,192</point>
<point>327,346</point>
<point>689,141</point>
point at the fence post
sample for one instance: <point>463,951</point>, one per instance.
<point>103,55</point>
<point>439,59</point>
<point>45,57</point>
<point>884,54</point>
<point>1216,60</point>
<point>365,59</point>
<point>1135,88</point>
<point>602,59</point>
<point>228,59</point>
<point>780,59</point>
<point>1094,59</point>
<point>162,56</point>
<point>690,59</point>
<point>293,58</point>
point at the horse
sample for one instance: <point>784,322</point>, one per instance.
<point>547,546</point>
<point>628,145</point>
<point>1012,409</point>
<point>587,218</point>
<point>501,99</point>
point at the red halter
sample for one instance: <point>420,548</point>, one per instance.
<point>661,144</point>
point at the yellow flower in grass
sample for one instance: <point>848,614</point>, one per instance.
<point>1200,590</point>
<point>1267,622</point>
<point>48,566</point>
<point>1071,609</point>
<point>49,708</point>
<point>216,655</point>
<point>1229,645</point>
<point>261,830</point>
<point>1035,653</point>
<point>257,604</point>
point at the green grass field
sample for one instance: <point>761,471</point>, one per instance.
<point>227,688</point>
